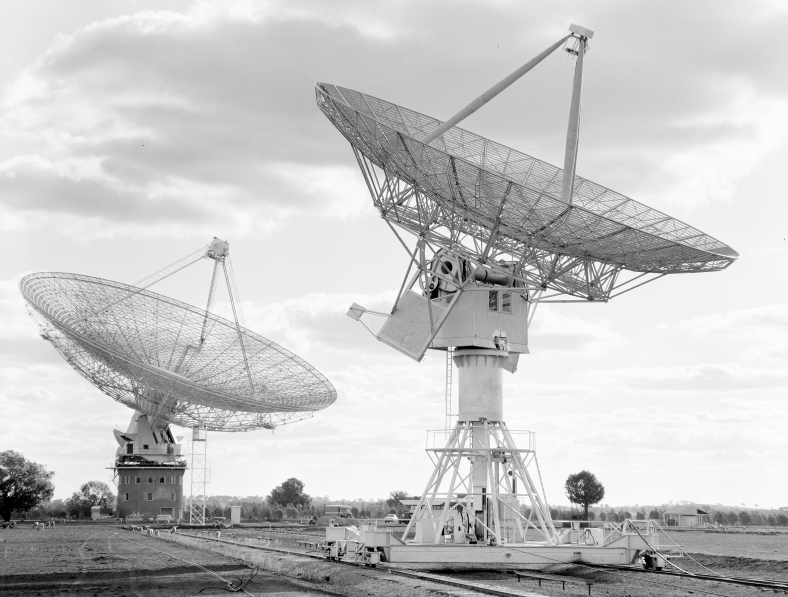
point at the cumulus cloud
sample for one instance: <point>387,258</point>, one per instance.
<point>165,121</point>
<point>154,123</point>
<point>552,329</point>
<point>717,377</point>
<point>760,332</point>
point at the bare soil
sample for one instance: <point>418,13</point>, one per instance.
<point>107,560</point>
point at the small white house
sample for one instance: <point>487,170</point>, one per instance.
<point>340,510</point>
<point>686,516</point>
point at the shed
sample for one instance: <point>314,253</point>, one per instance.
<point>686,516</point>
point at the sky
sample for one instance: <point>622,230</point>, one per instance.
<point>133,132</point>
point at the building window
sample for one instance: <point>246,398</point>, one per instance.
<point>129,448</point>
<point>492,300</point>
<point>150,479</point>
<point>149,497</point>
<point>180,480</point>
<point>125,497</point>
<point>499,301</point>
<point>172,497</point>
<point>126,480</point>
<point>138,480</point>
<point>144,446</point>
<point>172,481</point>
<point>506,302</point>
<point>162,480</point>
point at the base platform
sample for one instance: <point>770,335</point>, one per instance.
<point>529,555</point>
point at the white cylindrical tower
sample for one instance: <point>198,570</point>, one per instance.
<point>480,373</point>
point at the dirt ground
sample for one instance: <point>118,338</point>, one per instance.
<point>104,559</point>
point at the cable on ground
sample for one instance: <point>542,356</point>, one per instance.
<point>237,586</point>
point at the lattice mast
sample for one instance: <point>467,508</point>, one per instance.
<point>199,476</point>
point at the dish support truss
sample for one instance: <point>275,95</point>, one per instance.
<point>549,276</point>
<point>476,488</point>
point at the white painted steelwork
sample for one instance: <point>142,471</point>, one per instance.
<point>498,232</point>
<point>199,476</point>
<point>170,360</point>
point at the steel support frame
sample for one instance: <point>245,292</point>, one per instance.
<point>438,226</point>
<point>486,446</point>
<point>199,476</point>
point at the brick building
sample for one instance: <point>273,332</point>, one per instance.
<point>149,468</point>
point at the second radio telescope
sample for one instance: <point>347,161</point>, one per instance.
<point>144,350</point>
<point>171,363</point>
<point>171,360</point>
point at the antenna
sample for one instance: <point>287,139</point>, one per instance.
<point>172,363</point>
<point>495,233</point>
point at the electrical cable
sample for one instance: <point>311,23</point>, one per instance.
<point>654,582</point>
<point>685,552</point>
<point>229,586</point>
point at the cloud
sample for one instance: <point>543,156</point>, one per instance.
<point>153,124</point>
<point>765,319</point>
<point>716,377</point>
<point>552,330</point>
<point>157,123</point>
<point>761,333</point>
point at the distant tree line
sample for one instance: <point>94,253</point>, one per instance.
<point>288,501</point>
<point>730,517</point>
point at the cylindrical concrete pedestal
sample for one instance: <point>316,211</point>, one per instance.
<point>480,373</point>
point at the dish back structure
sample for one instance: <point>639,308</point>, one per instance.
<point>143,349</point>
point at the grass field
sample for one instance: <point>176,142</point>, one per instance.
<point>762,547</point>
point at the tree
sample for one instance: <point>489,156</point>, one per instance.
<point>56,508</point>
<point>394,501</point>
<point>92,493</point>
<point>782,520</point>
<point>23,484</point>
<point>290,492</point>
<point>584,489</point>
<point>719,517</point>
<point>744,517</point>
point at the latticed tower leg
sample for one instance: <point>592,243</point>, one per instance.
<point>482,487</point>
<point>199,476</point>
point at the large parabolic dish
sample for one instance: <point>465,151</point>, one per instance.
<point>489,202</point>
<point>498,232</point>
<point>145,351</point>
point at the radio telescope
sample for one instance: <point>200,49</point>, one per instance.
<point>171,362</point>
<point>497,233</point>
